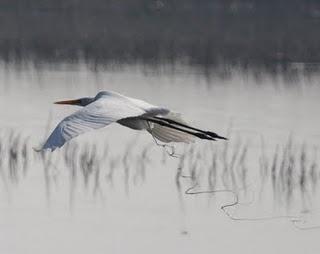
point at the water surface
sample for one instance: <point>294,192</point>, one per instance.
<point>114,190</point>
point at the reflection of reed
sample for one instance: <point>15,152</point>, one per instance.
<point>14,157</point>
<point>289,171</point>
<point>141,166</point>
<point>293,174</point>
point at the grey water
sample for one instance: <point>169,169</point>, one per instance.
<point>115,190</point>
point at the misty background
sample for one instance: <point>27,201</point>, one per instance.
<point>249,33</point>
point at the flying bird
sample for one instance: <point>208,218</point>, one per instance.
<point>109,107</point>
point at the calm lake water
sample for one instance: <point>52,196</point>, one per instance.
<point>116,191</point>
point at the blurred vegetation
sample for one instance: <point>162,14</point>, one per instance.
<point>206,32</point>
<point>287,174</point>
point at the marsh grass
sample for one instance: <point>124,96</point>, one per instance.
<point>292,173</point>
<point>15,157</point>
<point>283,177</point>
<point>287,172</point>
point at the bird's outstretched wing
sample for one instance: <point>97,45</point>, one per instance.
<point>96,115</point>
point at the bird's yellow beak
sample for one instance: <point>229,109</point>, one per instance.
<point>68,102</point>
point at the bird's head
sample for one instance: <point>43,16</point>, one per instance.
<point>78,102</point>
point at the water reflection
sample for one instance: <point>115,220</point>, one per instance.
<point>116,181</point>
<point>285,176</point>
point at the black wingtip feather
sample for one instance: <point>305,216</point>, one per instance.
<point>209,135</point>
<point>215,135</point>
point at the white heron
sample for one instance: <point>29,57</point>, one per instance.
<point>109,107</point>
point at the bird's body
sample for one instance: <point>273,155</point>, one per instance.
<point>108,107</point>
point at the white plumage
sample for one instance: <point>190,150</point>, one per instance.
<point>108,107</point>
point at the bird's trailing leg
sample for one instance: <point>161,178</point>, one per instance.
<point>171,153</point>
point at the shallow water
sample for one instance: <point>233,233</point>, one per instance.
<point>128,194</point>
